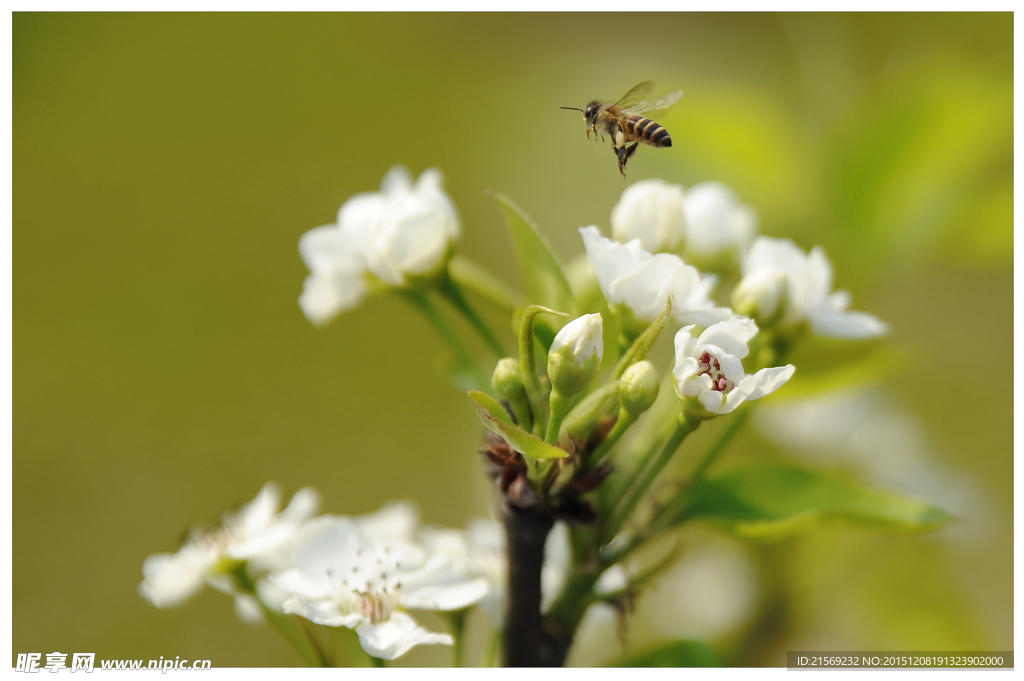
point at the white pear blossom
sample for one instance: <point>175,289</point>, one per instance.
<point>651,211</point>
<point>256,534</point>
<point>359,575</point>
<point>709,374</point>
<point>806,292</point>
<point>632,277</point>
<point>402,233</point>
<point>716,221</point>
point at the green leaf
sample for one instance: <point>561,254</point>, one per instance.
<point>670,654</point>
<point>543,281</point>
<point>769,500</point>
<point>644,341</point>
<point>497,420</point>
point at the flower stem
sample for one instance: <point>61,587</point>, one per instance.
<point>376,661</point>
<point>644,475</point>
<point>456,623</point>
<point>734,426</point>
<point>420,300</point>
<point>472,277</point>
<point>667,516</point>
<point>559,408</point>
<point>492,654</point>
<point>453,293</point>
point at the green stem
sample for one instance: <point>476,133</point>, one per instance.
<point>453,293</point>
<point>376,661</point>
<point>353,652</point>
<point>644,475</point>
<point>456,623</point>
<point>668,515</point>
<point>420,300</point>
<point>472,277</point>
<point>737,421</point>
<point>492,654</point>
<point>559,408</point>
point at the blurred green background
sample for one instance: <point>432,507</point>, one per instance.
<point>166,165</point>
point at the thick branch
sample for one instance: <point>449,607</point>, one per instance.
<point>526,642</point>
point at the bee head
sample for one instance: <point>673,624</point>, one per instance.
<point>590,113</point>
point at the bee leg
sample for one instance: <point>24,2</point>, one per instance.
<point>629,152</point>
<point>621,153</point>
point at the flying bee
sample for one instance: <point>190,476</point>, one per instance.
<point>623,123</point>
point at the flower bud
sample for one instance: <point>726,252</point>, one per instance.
<point>652,211</point>
<point>761,295</point>
<point>507,379</point>
<point>575,355</point>
<point>640,389</point>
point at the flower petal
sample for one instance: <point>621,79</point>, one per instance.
<point>397,180</point>
<point>767,381</point>
<point>248,609</point>
<point>358,220</point>
<point>394,637</point>
<point>768,252</point>
<point>851,325</point>
<point>732,336</point>
<point>171,578</point>
<point>455,595</point>
<point>326,294</point>
<point>611,260</point>
<point>324,248</point>
<point>394,520</point>
<point>257,515</point>
<point>304,504</point>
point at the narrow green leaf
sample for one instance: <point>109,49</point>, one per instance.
<point>543,280</point>
<point>775,499</point>
<point>644,341</point>
<point>495,419</point>
<point>671,654</point>
<point>492,405</point>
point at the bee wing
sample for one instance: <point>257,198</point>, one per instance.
<point>660,103</point>
<point>637,96</point>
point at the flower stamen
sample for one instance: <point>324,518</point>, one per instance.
<point>708,365</point>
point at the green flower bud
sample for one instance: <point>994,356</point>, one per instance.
<point>575,355</point>
<point>640,389</point>
<point>507,379</point>
<point>761,296</point>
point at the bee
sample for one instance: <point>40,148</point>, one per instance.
<point>624,124</point>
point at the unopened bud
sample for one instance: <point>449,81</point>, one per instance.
<point>507,379</point>
<point>575,355</point>
<point>761,295</point>
<point>640,389</point>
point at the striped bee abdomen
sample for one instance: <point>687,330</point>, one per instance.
<point>647,131</point>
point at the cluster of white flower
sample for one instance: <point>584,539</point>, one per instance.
<point>402,234</point>
<point>360,572</point>
<point>782,287</point>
